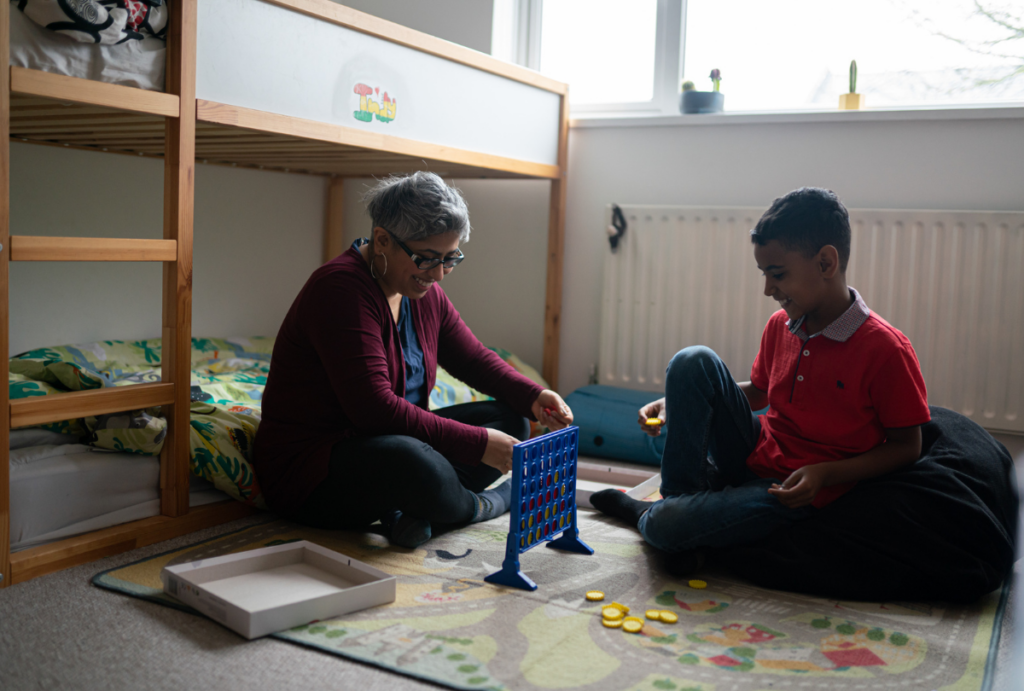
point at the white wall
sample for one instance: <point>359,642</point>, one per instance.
<point>966,164</point>
<point>257,238</point>
<point>466,22</point>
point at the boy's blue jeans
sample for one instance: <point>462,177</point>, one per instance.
<point>711,498</point>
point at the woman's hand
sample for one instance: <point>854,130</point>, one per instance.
<point>654,409</point>
<point>551,410</point>
<point>498,453</point>
<point>802,486</point>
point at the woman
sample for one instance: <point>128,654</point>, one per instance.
<point>346,437</point>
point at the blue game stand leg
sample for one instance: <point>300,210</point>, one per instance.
<point>570,542</point>
<point>511,575</point>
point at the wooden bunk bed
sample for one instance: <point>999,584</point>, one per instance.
<point>227,126</point>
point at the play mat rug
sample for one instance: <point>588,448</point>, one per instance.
<point>227,381</point>
<point>450,627</point>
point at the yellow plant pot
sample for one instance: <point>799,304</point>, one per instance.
<point>851,101</point>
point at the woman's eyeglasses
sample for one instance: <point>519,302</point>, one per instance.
<point>425,263</point>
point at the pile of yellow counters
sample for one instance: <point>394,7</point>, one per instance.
<point>613,616</point>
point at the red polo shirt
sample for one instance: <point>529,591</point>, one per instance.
<point>833,394</point>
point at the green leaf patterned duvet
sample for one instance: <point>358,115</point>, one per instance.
<point>228,379</point>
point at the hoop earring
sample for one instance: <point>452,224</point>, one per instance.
<point>384,273</point>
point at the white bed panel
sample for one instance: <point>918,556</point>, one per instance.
<point>61,491</point>
<point>135,63</point>
<point>256,55</point>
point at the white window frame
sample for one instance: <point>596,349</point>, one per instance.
<point>517,37</point>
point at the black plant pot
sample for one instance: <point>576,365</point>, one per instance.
<point>702,102</point>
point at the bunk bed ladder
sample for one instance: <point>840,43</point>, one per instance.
<point>174,251</point>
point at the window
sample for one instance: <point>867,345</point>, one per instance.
<point>604,48</point>
<point>630,55</point>
<point>616,55</point>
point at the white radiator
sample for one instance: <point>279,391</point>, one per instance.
<point>953,282</point>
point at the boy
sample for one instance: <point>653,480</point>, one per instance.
<point>846,395</point>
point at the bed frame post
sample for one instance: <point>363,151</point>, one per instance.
<point>556,251</point>
<point>5,256</point>
<point>179,188</point>
<point>334,230</point>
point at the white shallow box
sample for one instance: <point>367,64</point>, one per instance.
<point>275,588</point>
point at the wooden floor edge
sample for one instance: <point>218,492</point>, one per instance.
<point>39,561</point>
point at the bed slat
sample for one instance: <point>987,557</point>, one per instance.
<point>33,248</point>
<point>75,90</point>
<point>38,410</point>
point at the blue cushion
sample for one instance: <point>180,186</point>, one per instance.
<point>606,416</point>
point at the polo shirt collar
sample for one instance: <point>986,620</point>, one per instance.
<point>842,328</point>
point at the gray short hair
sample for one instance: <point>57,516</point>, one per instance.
<point>417,206</point>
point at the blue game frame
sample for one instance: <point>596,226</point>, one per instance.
<point>543,503</point>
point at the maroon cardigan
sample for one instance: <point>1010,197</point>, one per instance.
<point>337,372</point>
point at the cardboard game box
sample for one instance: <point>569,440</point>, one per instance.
<point>270,589</point>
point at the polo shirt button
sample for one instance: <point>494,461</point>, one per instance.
<point>806,353</point>
<point>799,377</point>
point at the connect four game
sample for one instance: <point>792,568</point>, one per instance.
<point>543,503</point>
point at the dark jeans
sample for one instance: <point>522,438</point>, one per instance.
<point>709,421</point>
<point>369,477</point>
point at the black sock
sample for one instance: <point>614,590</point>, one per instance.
<point>493,502</point>
<point>618,504</point>
<point>404,530</point>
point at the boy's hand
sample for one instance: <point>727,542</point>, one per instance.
<point>801,486</point>
<point>652,411</point>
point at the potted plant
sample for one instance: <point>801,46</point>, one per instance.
<point>852,100</point>
<point>693,101</point>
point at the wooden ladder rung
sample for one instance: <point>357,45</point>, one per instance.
<point>37,410</point>
<point>75,90</point>
<point>33,248</point>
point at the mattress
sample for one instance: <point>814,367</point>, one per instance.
<point>134,63</point>
<point>61,490</point>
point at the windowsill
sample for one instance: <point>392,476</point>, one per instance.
<point>984,112</point>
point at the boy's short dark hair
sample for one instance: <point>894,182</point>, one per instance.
<point>806,220</point>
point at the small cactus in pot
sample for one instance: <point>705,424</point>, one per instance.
<point>852,100</point>
<point>693,101</point>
